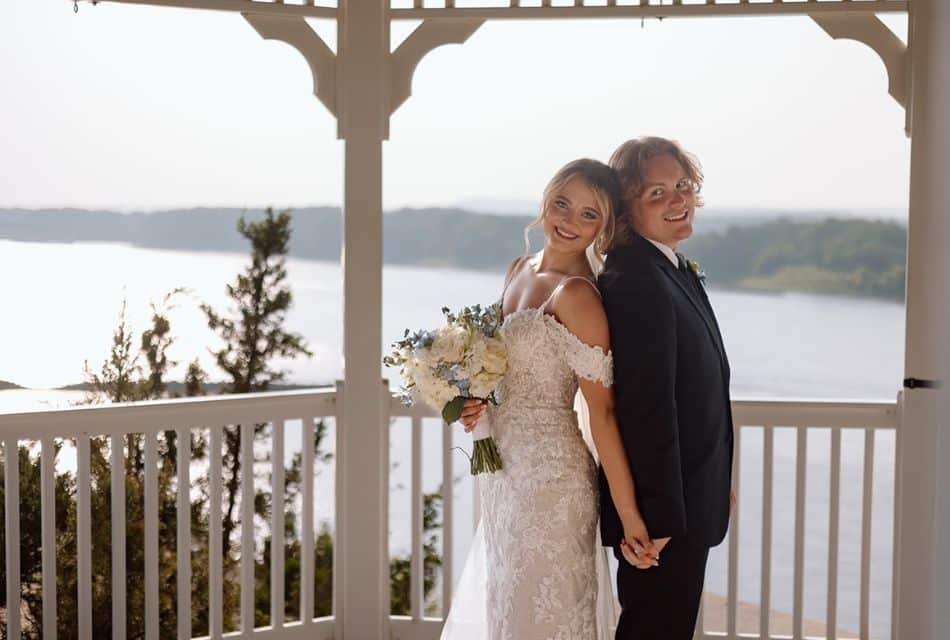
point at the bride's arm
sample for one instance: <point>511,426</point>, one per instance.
<point>579,309</point>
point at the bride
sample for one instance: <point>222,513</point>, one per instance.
<point>533,569</point>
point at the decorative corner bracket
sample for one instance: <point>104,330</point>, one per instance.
<point>427,36</point>
<point>868,29</point>
<point>297,33</point>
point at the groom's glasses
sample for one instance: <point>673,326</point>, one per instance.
<point>659,192</point>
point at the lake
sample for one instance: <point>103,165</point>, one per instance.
<point>62,301</point>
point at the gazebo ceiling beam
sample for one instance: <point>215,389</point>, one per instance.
<point>760,9</point>
<point>731,9</point>
<point>239,6</point>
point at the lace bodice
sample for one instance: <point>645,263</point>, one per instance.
<point>543,359</point>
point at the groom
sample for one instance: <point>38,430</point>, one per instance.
<point>671,382</point>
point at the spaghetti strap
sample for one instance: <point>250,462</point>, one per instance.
<point>564,281</point>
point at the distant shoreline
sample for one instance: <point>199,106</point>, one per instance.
<point>775,251</point>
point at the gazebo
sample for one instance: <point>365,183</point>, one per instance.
<point>362,84</point>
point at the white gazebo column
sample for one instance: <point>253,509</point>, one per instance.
<point>920,597</point>
<point>362,51</point>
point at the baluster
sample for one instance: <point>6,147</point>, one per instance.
<point>416,562</point>
<point>151,537</point>
<point>833,528</point>
<point>247,528</point>
<point>801,468</point>
<point>277,526</point>
<point>216,543</point>
<point>48,525</point>
<point>447,525</point>
<point>733,601</point>
<point>83,538</point>
<point>865,632</point>
<point>765,597</point>
<point>117,480</point>
<point>11,503</point>
<point>306,566</point>
<point>183,554</point>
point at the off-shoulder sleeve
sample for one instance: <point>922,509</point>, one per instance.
<point>587,361</point>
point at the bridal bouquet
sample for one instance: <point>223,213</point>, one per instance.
<point>465,358</point>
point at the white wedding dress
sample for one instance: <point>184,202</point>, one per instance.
<point>536,570</point>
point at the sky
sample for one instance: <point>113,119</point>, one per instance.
<point>146,108</point>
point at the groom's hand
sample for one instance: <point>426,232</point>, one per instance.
<point>472,410</point>
<point>640,561</point>
<point>660,543</point>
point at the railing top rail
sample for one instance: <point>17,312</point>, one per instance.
<point>155,415</point>
<point>802,413</point>
<point>773,412</point>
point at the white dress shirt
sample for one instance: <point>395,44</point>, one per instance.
<point>669,253</point>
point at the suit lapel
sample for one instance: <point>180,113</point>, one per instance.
<point>674,275</point>
<point>702,290</point>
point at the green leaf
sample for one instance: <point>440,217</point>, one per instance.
<point>453,410</point>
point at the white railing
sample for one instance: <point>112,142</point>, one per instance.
<point>759,418</point>
<point>754,419</point>
<point>150,419</point>
<point>764,419</point>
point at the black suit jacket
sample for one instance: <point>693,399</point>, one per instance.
<point>671,386</point>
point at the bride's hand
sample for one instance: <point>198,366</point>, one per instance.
<point>472,410</point>
<point>636,539</point>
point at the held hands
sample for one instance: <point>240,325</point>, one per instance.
<point>643,559</point>
<point>472,410</point>
<point>637,546</point>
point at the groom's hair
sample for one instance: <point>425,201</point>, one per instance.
<point>629,161</point>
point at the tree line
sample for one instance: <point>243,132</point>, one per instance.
<point>855,257</point>
<point>252,336</point>
<point>830,255</point>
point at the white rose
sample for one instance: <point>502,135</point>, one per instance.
<point>495,358</point>
<point>483,383</point>
<point>443,393</point>
<point>450,343</point>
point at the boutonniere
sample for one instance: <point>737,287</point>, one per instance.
<point>696,268</point>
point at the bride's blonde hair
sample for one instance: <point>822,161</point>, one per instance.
<point>603,182</point>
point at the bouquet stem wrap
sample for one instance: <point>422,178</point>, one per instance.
<point>485,456</point>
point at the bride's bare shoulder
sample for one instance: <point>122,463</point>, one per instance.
<point>579,308</point>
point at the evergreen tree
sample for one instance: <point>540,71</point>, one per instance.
<point>254,336</point>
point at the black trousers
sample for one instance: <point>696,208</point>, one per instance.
<point>661,603</point>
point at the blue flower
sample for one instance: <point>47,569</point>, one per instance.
<point>698,270</point>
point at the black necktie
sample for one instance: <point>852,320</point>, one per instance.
<point>683,267</point>
<point>684,270</point>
